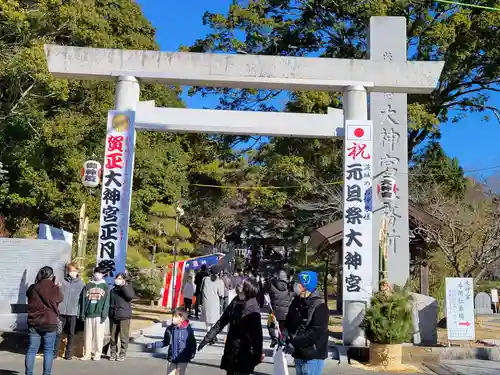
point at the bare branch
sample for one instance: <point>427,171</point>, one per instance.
<point>19,101</point>
<point>469,237</point>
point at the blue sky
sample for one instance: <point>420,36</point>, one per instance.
<point>473,141</point>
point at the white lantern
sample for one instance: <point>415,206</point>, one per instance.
<point>91,173</point>
<point>387,189</point>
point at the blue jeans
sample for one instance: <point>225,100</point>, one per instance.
<point>311,367</point>
<point>35,337</point>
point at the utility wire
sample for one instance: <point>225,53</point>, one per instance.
<point>468,5</point>
<point>339,182</point>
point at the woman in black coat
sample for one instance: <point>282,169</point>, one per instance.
<point>243,348</point>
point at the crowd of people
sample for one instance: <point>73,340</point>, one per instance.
<point>298,322</point>
<point>56,306</point>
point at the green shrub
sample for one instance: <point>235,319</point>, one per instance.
<point>389,320</point>
<point>146,283</point>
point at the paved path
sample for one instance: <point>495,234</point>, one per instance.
<point>155,333</point>
<point>469,367</point>
<point>13,364</point>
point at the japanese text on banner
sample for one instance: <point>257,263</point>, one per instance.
<point>357,243</point>
<point>116,191</point>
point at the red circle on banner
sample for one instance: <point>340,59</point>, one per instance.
<point>358,132</point>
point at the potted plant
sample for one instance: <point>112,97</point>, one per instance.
<point>388,324</point>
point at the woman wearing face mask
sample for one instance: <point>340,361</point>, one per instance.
<point>44,297</point>
<point>120,313</point>
<point>69,309</point>
<point>243,347</point>
<point>95,310</point>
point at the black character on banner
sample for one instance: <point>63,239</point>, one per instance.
<point>108,231</point>
<point>109,267</point>
<point>352,236</point>
<point>91,175</point>
<point>110,214</point>
<point>353,215</point>
<point>354,172</point>
<point>353,260</point>
<point>111,196</point>
<point>107,250</point>
<point>352,283</point>
<point>353,193</point>
<point>111,178</point>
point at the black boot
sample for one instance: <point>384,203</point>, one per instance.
<point>274,342</point>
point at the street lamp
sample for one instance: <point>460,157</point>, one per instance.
<point>179,212</point>
<point>305,240</point>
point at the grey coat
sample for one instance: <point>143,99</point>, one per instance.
<point>211,293</point>
<point>71,290</point>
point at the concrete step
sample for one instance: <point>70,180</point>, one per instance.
<point>137,346</point>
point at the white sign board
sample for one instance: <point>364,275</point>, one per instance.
<point>358,166</point>
<point>116,191</point>
<point>494,295</point>
<point>460,308</point>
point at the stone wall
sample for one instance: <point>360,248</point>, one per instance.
<point>20,260</point>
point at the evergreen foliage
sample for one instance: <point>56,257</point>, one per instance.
<point>389,320</point>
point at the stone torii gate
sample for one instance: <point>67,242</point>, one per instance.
<point>374,149</point>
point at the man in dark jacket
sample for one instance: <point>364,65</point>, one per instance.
<point>280,296</point>
<point>198,280</point>
<point>120,313</point>
<point>307,326</point>
<point>71,288</point>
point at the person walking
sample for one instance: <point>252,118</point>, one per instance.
<point>198,280</point>
<point>237,278</point>
<point>212,291</point>
<point>120,313</point>
<point>181,342</point>
<point>71,287</point>
<point>243,347</point>
<point>307,326</point>
<point>95,311</point>
<point>261,280</point>
<point>228,288</point>
<point>279,294</point>
<point>44,297</point>
<point>188,293</point>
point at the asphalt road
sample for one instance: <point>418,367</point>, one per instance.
<point>13,364</point>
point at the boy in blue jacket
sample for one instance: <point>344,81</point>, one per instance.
<point>179,337</point>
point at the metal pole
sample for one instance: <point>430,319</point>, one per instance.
<point>174,268</point>
<point>355,104</point>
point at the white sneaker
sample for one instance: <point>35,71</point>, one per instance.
<point>85,358</point>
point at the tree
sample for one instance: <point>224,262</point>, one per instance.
<point>466,38</point>
<point>431,166</point>
<point>50,126</point>
<point>163,232</point>
<point>468,239</point>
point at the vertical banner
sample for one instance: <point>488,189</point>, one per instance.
<point>116,192</point>
<point>357,243</point>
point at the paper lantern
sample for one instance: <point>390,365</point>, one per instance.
<point>387,189</point>
<point>91,173</point>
